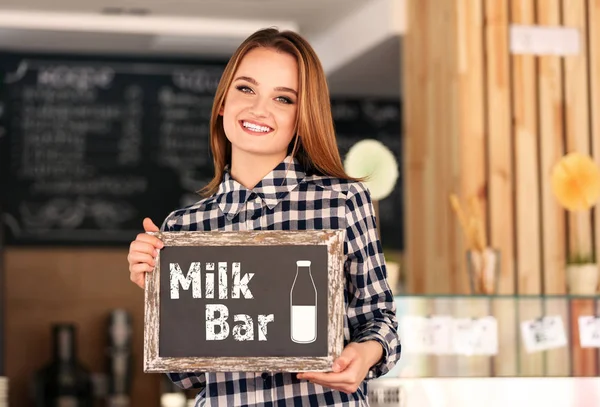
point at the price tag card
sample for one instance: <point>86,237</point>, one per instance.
<point>589,331</point>
<point>475,336</point>
<point>426,335</point>
<point>543,334</point>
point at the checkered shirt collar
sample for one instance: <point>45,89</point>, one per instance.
<point>276,185</point>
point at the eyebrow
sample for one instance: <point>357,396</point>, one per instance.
<point>255,83</point>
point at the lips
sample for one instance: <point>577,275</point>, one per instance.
<point>255,128</point>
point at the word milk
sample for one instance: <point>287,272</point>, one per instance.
<point>244,330</point>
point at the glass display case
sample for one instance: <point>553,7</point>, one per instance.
<point>498,336</point>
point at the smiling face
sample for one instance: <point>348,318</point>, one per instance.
<point>260,108</point>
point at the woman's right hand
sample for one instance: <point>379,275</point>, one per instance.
<point>142,252</point>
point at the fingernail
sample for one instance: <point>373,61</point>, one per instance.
<point>336,367</point>
<point>155,254</point>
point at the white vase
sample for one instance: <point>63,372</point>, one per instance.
<point>582,279</point>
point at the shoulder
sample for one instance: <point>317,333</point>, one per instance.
<point>189,214</point>
<point>350,189</point>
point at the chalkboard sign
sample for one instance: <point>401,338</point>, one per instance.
<point>245,301</point>
<point>89,146</point>
<point>356,119</point>
<point>94,146</point>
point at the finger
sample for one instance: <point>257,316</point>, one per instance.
<point>342,363</point>
<point>325,377</point>
<point>149,226</point>
<point>139,280</point>
<point>138,257</point>
<point>140,269</point>
<point>350,374</point>
<point>143,247</point>
<point>152,240</point>
<point>344,387</point>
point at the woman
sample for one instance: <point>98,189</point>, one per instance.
<point>277,166</point>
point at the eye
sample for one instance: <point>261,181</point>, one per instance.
<point>284,99</point>
<point>244,89</point>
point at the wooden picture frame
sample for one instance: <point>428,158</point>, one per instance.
<point>333,240</point>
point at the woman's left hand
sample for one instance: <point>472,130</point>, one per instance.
<point>350,368</point>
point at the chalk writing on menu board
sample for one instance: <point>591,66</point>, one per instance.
<point>92,146</point>
<point>379,119</point>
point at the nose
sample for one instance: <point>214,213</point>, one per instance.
<point>259,107</point>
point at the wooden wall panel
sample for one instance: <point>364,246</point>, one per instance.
<point>524,103</point>
<point>454,237</point>
<point>471,126</point>
<point>531,364</point>
<point>552,148</point>
<point>593,26</point>
<point>584,361</point>
<point>432,149</point>
<point>577,117</point>
<point>440,252</point>
<point>70,285</point>
<point>514,116</point>
<point>558,360</point>
<point>500,143</point>
<point>594,84</point>
<point>415,82</point>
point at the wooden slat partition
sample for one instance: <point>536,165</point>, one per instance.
<point>472,151</point>
<point>552,147</point>
<point>500,145</point>
<point>524,103</point>
<point>531,364</point>
<point>558,360</point>
<point>577,117</point>
<point>506,362</point>
<point>585,360</point>
<point>594,84</point>
<point>432,143</point>
<point>483,121</point>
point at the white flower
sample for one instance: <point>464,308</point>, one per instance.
<point>374,161</point>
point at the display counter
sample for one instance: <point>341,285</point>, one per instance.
<point>498,336</point>
<point>487,392</point>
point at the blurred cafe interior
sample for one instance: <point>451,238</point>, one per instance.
<point>485,117</point>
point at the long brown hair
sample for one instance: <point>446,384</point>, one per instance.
<point>314,145</point>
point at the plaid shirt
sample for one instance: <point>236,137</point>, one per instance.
<point>293,200</point>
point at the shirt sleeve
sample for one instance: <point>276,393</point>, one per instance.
<point>167,223</point>
<point>371,308</point>
<point>188,380</point>
<point>194,380</point>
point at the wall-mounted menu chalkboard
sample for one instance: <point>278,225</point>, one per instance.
<point>92,145</point>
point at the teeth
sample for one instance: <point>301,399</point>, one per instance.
<point>254,127</point>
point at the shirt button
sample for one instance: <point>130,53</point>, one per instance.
<point>264,376</point>
<point>252,196</point>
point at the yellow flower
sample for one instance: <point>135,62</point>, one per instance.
<point>576,182</point>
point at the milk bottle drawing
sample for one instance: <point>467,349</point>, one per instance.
<point>303,301</point>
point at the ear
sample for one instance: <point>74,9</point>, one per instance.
<point>221,110</point>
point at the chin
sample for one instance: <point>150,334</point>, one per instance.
<point>261,152</point>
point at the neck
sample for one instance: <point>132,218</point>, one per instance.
<point>249,170</point>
